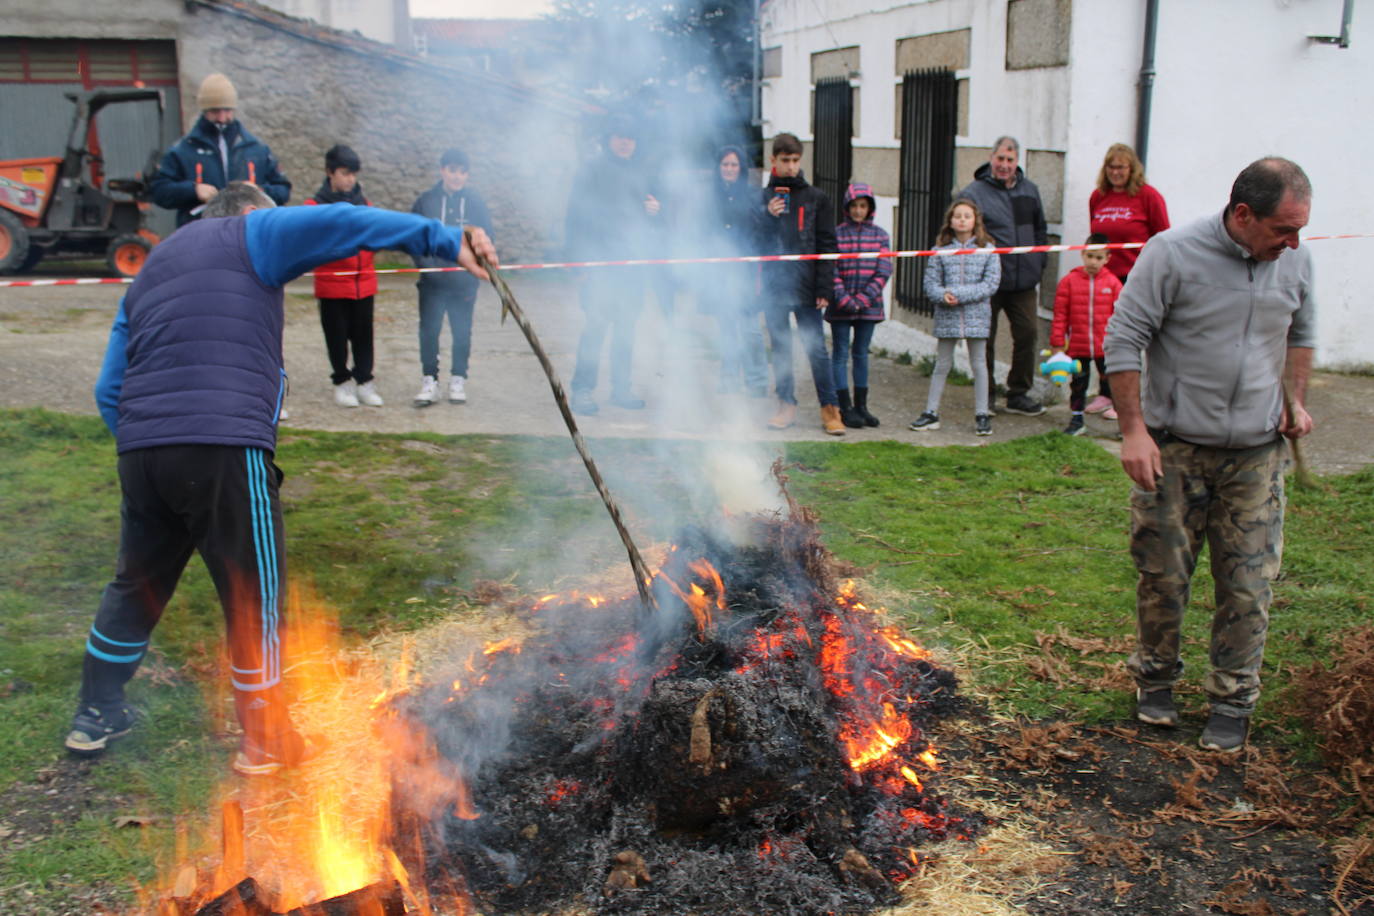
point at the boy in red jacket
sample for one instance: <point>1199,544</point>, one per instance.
<point>1082,305</point>
<point>345,289</point>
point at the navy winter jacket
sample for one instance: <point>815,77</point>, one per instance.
<point>174,185</point>
<point>1013,216</point>
<point>195,352</point>
<point>606,218</point>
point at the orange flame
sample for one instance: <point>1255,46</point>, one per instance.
<point>326,828</point>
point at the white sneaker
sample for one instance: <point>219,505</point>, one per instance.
<point>344,395</point>
<point>429,391</point>
<point>457,392</point>
<point>367,394</point>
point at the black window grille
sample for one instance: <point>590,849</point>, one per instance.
<point>929,123</point>
<point>833,155</point>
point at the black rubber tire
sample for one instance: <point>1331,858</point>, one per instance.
<point>14,243</point>
<point>116,256</point>
<point>31,260</point>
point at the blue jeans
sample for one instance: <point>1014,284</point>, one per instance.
<point>611,298</point>
<point>840,350</point>
<point>809,327</point>
<point>456,303</point>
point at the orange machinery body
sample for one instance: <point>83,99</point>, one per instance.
<point>26,186</point>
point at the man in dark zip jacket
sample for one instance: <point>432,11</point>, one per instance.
<point>216,151</point>
<point>1013,215</point>
<point>191,386</point>
<point>453,293</point>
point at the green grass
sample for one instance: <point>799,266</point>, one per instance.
<point>975,549</point>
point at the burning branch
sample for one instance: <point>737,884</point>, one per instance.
<point>510,307</point>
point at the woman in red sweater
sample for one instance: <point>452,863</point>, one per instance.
<point>1124,209</point>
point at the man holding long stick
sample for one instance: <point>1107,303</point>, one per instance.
<point>191,387</point>
<point>1225,313</point>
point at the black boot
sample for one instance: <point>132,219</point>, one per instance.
<point>861,407</point>
<point>848,415</point>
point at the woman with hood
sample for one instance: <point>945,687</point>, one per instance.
<point>858,305</point>
<point>732,291</point>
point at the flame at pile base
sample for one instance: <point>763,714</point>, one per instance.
<point>756,746</point>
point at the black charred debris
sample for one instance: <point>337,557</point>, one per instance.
<point>625,765</point>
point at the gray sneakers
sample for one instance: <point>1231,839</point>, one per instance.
<point>1156,707</point>
<point>93,729</point>
<point>1225,734</point>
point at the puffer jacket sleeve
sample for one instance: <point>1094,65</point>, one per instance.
<point>935,278</point>
<point>172,186</point>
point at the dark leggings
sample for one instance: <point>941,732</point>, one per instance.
<point>1078,387</point>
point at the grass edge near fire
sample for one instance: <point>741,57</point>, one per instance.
<point>1009,557</point>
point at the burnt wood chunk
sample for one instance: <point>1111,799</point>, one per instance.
<point>243,899</point>
<point>627,871</point>
<point>380,899</point>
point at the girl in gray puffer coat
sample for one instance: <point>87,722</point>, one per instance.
<point>961,287</point>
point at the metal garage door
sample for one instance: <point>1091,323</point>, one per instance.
<point>35,116</point>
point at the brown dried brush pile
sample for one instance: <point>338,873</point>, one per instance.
<point>1339,702</point>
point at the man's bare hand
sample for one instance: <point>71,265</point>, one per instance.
<point>475,242</point>
<point>1140,459</point>
<point>1297,426</point>
<point>651,205</point>
<point>205,192</point>
<point>822,302</point>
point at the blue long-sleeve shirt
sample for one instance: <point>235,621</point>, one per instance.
<point>280,244</point>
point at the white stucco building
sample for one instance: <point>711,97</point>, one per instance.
<point>1234,80</point>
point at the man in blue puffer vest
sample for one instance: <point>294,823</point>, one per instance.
<point>216,151</point>
<point>191,387</point>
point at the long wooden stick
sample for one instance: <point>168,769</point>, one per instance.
<point>1300,475</point>
<point>511,307</point>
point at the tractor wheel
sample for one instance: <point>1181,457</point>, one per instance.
<point>35,255</point>
<point>127,253</point>
<point>14,243</point>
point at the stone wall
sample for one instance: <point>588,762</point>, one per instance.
<point>302,94</point>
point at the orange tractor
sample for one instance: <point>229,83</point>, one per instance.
<point>65,205</point>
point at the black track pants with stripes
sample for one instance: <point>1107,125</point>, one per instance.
<point>219,500</point>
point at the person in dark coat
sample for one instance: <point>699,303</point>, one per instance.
<point>612,213</point>
<point>191,386</point>
<point>800,220</point>
<point>216,151</point>
<point>731,227</point>
<point>453,293</point>
<point>1013,214</point>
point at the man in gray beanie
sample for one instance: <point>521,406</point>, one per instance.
<point>216,151</point>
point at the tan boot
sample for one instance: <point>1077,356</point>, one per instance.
<point>830,420</point>
<point>785,417</point>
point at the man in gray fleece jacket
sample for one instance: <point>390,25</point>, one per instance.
<point>1225,314</point>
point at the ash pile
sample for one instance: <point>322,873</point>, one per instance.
<point>754,744</point>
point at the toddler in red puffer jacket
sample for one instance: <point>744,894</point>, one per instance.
<point>1082,305</point>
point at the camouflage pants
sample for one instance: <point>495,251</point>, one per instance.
<point>1234,498</point>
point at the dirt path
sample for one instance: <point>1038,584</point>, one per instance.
<point>52,340</point>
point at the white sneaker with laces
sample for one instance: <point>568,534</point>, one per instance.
<point>457,390</point>
<point>344,395</point>
<point>367,394</point>
<point>429,391</point>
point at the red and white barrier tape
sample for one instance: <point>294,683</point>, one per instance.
<point>645,262</point>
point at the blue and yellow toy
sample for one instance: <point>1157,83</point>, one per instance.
<point>1059,367</point>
